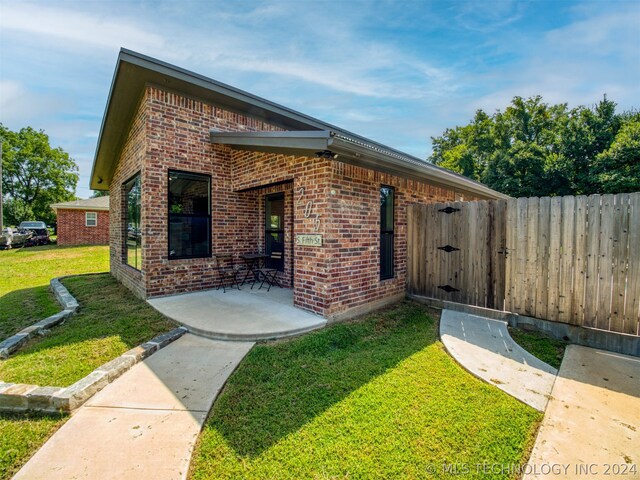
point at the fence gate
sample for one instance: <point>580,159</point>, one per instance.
<point>457,250</point>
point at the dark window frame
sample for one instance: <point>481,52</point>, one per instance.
<point>125,205</point>
<point>388,232</point>
<point>268,229</point>
<point>189,215</point>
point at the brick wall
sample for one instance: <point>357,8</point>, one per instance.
<point>72,230</point>
<point>132,159</point>
<point>338,201</point>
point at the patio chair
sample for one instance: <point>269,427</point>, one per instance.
<point>270,275</point>
<point>227,273</point>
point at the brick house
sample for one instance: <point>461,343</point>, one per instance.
<point>195,167</point>
<point>83,222</point>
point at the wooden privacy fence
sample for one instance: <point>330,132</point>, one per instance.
<point>569,259</point>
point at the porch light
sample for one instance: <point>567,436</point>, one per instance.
<point>326,154</point>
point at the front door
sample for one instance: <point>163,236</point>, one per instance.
<point>274,231</point>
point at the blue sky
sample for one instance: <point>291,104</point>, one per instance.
<point>397,72</point>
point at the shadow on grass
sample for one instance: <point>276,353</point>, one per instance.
<point>21,308</point>
<point>110,321</point>
<point>279,387</point>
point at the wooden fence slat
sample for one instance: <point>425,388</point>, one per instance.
<point>484,260</point>
<point>464,254</point>
<point>411,249</point>
<point>605,263</point>
<point>471,274</point>
<point>497,247</point>
<point>580,259</point>
<point>512,248</point>
<point>632,300</point>
<point>542,283</point>
<point>531,261</point>
<point>521,256</point>
<point>429,263</point>
<point>619,261</point>
<point>593,249</point>
<point>453,258</point>
<point>420,263</point>
<point>555,224</point>
<point>565,285</point>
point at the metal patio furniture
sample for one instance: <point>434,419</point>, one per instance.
<point>270,275</point>
<point>254,262</point>
<point>227,273</point>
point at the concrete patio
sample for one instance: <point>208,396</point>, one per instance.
<point>243,315</point>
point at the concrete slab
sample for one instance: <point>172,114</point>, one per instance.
<point>145,424</point>
<point>105,443</point>
<point>186,375</point>
<point>244,315</point>
<point>484,347</point>
<point>592,423</point>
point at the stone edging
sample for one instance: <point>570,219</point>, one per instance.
<point>69,305</point>
<point>20,397</point>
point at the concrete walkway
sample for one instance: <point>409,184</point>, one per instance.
<point>244,315</point>
<point>145,424</point>
<point>485,348</point>
<point>592,422</point>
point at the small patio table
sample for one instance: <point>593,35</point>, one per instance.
<point>254,263</point>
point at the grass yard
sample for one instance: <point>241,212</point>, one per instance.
<point>20,436</point>
<point>24,280</point>
<point>375,398</point>
<point>541,345</point>
<point>111,320</point>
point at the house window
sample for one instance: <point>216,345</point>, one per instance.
<point>133,233</point>
<point>386,232</point>
<point>91,219</point>
<point>189,215</point>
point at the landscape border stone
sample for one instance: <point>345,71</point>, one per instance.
<point>22,397</point>
<point>69,305</point>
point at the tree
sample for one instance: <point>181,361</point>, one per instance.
<point>535,149</point>
<point>35,175</point>
<point>618,168</point>
<point>99,193</point>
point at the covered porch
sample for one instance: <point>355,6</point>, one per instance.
<point>246,314</point>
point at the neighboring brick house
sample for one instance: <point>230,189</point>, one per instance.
<point>83,222</point>
<point>196,167</point>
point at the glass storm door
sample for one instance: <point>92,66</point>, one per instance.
<point>274,231</point>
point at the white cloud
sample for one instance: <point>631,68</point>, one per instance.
<point>79,29</point>
<point>575,64</point>
<point>19,106</point>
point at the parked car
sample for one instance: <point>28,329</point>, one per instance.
<point>40,233</point>
<point>32,225</point>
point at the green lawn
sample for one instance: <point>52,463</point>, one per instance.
<point>20,436</point>
<point>111,320</point>
<point>25,273</point>
<point>541,345</point>
<point>376,398</point>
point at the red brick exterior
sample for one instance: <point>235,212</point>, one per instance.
<point>338,201</point>
<point>73,231</point>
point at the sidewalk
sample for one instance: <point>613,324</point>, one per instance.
<point>484,347</point>
<point>146,423</point>
<point>592,423</point>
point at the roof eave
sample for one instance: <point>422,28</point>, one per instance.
<point>308,144</point>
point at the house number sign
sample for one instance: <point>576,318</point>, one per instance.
<point>314,240</point>
<point>309,213</point>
